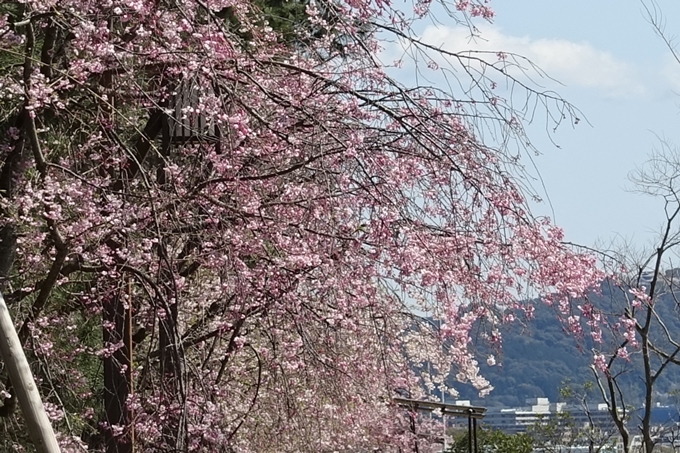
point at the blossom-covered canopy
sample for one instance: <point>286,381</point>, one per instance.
<point>323,239</point>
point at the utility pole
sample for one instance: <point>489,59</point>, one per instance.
<point>23,384</point>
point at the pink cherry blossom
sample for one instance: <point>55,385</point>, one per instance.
<point>322,240</point>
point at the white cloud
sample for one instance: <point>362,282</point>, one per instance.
<point>571,63</point>
<point>670,72</point>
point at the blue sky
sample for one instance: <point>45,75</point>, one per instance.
<point>623,78</point>
<point>619,73</point>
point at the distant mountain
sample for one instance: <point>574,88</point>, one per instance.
<point>538,357</point>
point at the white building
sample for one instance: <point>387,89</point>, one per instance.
<point>541,410</point>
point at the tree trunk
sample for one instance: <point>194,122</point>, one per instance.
<point>118,375</point>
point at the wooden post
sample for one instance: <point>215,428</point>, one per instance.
<point>470,434</point>
<point>39,426</point>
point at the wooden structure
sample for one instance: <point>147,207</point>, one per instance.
<point>472,413</point>
<point>24,386</point>
<point>182,125</point>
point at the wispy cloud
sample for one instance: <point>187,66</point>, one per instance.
<point>571,63</point>
<point>670,72</point>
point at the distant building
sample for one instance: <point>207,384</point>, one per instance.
<point>541,410</point>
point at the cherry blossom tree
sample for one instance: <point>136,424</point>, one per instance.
<point>225,232</point>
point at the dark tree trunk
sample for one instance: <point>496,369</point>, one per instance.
<point>118,375</point>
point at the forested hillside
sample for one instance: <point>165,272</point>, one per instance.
<point>539,358</point>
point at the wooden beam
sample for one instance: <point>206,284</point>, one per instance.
<point>446,409</point>
<point>23,384</point>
